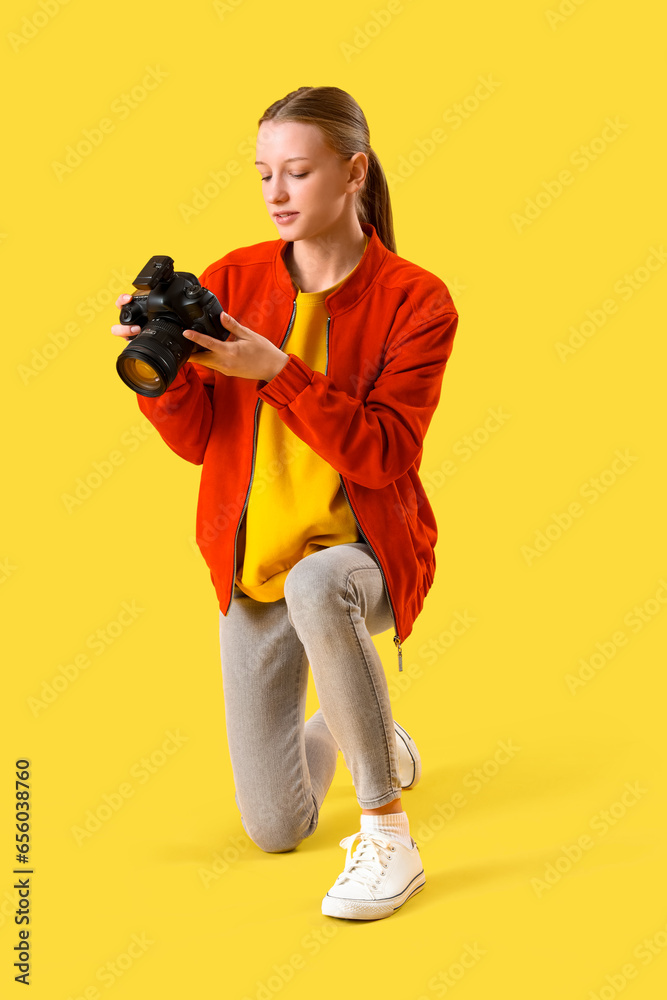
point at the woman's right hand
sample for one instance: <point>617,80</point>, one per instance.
<point>129,332</point>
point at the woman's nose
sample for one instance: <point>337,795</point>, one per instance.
<point>276,192</point>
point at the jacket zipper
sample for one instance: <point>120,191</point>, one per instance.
<point>397,640</point>
<point>252,469</point>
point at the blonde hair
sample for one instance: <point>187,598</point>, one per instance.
<point>345,130</point>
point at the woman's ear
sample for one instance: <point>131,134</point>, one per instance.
<point>358,170</point>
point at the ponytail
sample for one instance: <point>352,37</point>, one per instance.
<point>374,204</point>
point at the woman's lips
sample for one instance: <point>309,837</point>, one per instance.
<point>283,219</point>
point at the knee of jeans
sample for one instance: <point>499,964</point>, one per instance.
<point>306,588</point>
<point>277,834</point>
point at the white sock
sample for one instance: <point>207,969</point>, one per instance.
<point>394,825</point>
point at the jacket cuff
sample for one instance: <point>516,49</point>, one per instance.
<point>284,387</point>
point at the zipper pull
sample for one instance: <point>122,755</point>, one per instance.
<point>397,643</point>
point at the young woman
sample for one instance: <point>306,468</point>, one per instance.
<point>309,422</point>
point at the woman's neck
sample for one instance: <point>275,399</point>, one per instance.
<point>322,262</point>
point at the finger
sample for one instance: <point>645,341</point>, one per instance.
<point>122,300</point>
<point>234,326</point>
<point>201,338</point>
<point>125,331</point>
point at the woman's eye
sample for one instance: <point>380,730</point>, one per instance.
<point>291,175</point>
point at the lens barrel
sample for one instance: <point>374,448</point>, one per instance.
<point>151,361</point>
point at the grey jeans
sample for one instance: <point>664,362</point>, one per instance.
<point>283,765</point>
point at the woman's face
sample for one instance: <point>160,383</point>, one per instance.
<point>302,176</point>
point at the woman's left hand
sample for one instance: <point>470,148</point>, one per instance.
<point>245,353</point>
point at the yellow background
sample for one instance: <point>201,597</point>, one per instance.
<point>142,876</point>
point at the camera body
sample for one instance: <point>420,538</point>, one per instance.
<point>167,302</point>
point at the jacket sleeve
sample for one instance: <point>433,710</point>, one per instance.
<point>183,415</point>
<point>373,441</point>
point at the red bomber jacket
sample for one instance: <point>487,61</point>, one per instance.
<point>389,335</point>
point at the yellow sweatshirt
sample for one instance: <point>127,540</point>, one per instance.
<point>296,503</point>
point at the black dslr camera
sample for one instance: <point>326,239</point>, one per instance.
<point>167,303</point>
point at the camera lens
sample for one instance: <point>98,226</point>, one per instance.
<point>151,361</point>
<point>140,375</point>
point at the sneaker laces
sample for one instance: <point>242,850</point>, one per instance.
<point>368,863</point>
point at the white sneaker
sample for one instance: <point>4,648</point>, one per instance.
<point>379,877</point>
<point>409,761</point>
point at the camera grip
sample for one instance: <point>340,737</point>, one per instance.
<point>133,314</point>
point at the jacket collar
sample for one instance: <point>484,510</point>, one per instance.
<point>351,289</point>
